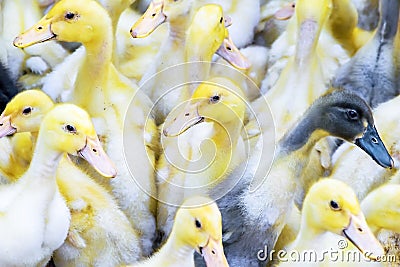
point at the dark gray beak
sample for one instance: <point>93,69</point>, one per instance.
<point>371,143</point>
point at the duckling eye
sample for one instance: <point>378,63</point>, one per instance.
<point>334,205</point>
<point>27,110</point>
<point>197,223</point>
<point>221,20</point>
<point>69,15</point>
<point>352,114</point>
<point>215,99</point>
<point>69,128</point>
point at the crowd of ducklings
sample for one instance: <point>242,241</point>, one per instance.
<point>278,144</point>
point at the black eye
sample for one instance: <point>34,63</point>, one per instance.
<point>69,15</point>
<point>27,110</point>
<point>334,205</point>
<point>70,128</point>
<point>221,20</point>
<point>352,114</point>
<point>214,99</point>
<point>197,223</point>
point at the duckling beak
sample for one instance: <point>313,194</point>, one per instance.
<point>5,126</point>
<point>213,254</point>
<point>183,121</point>
<point>286,12</point>
<point>150,20</point>
<point>38,33</point>
<point>231,53</point>
<point>371,143</point>
<point>361,236</point>
<point>94,154</point>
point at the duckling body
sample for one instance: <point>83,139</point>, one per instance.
<point>197,227</point>
<point>34,199</point>
<point>100,233</point>
<point>107,96</point>
<point>265,204</point>
<point>373,71</point>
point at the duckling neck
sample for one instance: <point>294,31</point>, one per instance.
<point>388,24</point>
<point>176,252</point>
<point>90,89</point>
<point>302,137</point>
<point>307,36</point>
<point>308,235</point>
<point>177,30</point>
<point>226,136</point>
<point>45,161</point>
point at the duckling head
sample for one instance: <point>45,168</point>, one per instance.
<point>198,224</point>
<point>218,100</point>
<point>345,115</point>
<point>208,34</point>
<point>332,206</point>
<point>158,12</point>
<point>150,20</point>
<point>25,112</point>
<point>69,21</point>
<point>69,129</point>
<point>382,208</point>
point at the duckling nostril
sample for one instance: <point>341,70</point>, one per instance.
<point>374,140</point>
<point>213,252</point>
<point>94,150</point>
<point>360,229</point>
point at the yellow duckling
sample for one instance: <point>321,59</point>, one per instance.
<point>107,96</point>
<point>92,238</point>
<point>197,227</point>
<point>202,144</point>
<point>40,59</point>
<point>21,145</point>
<point>35,197</point>
<point>331,206</point>
<point>192,37</point>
